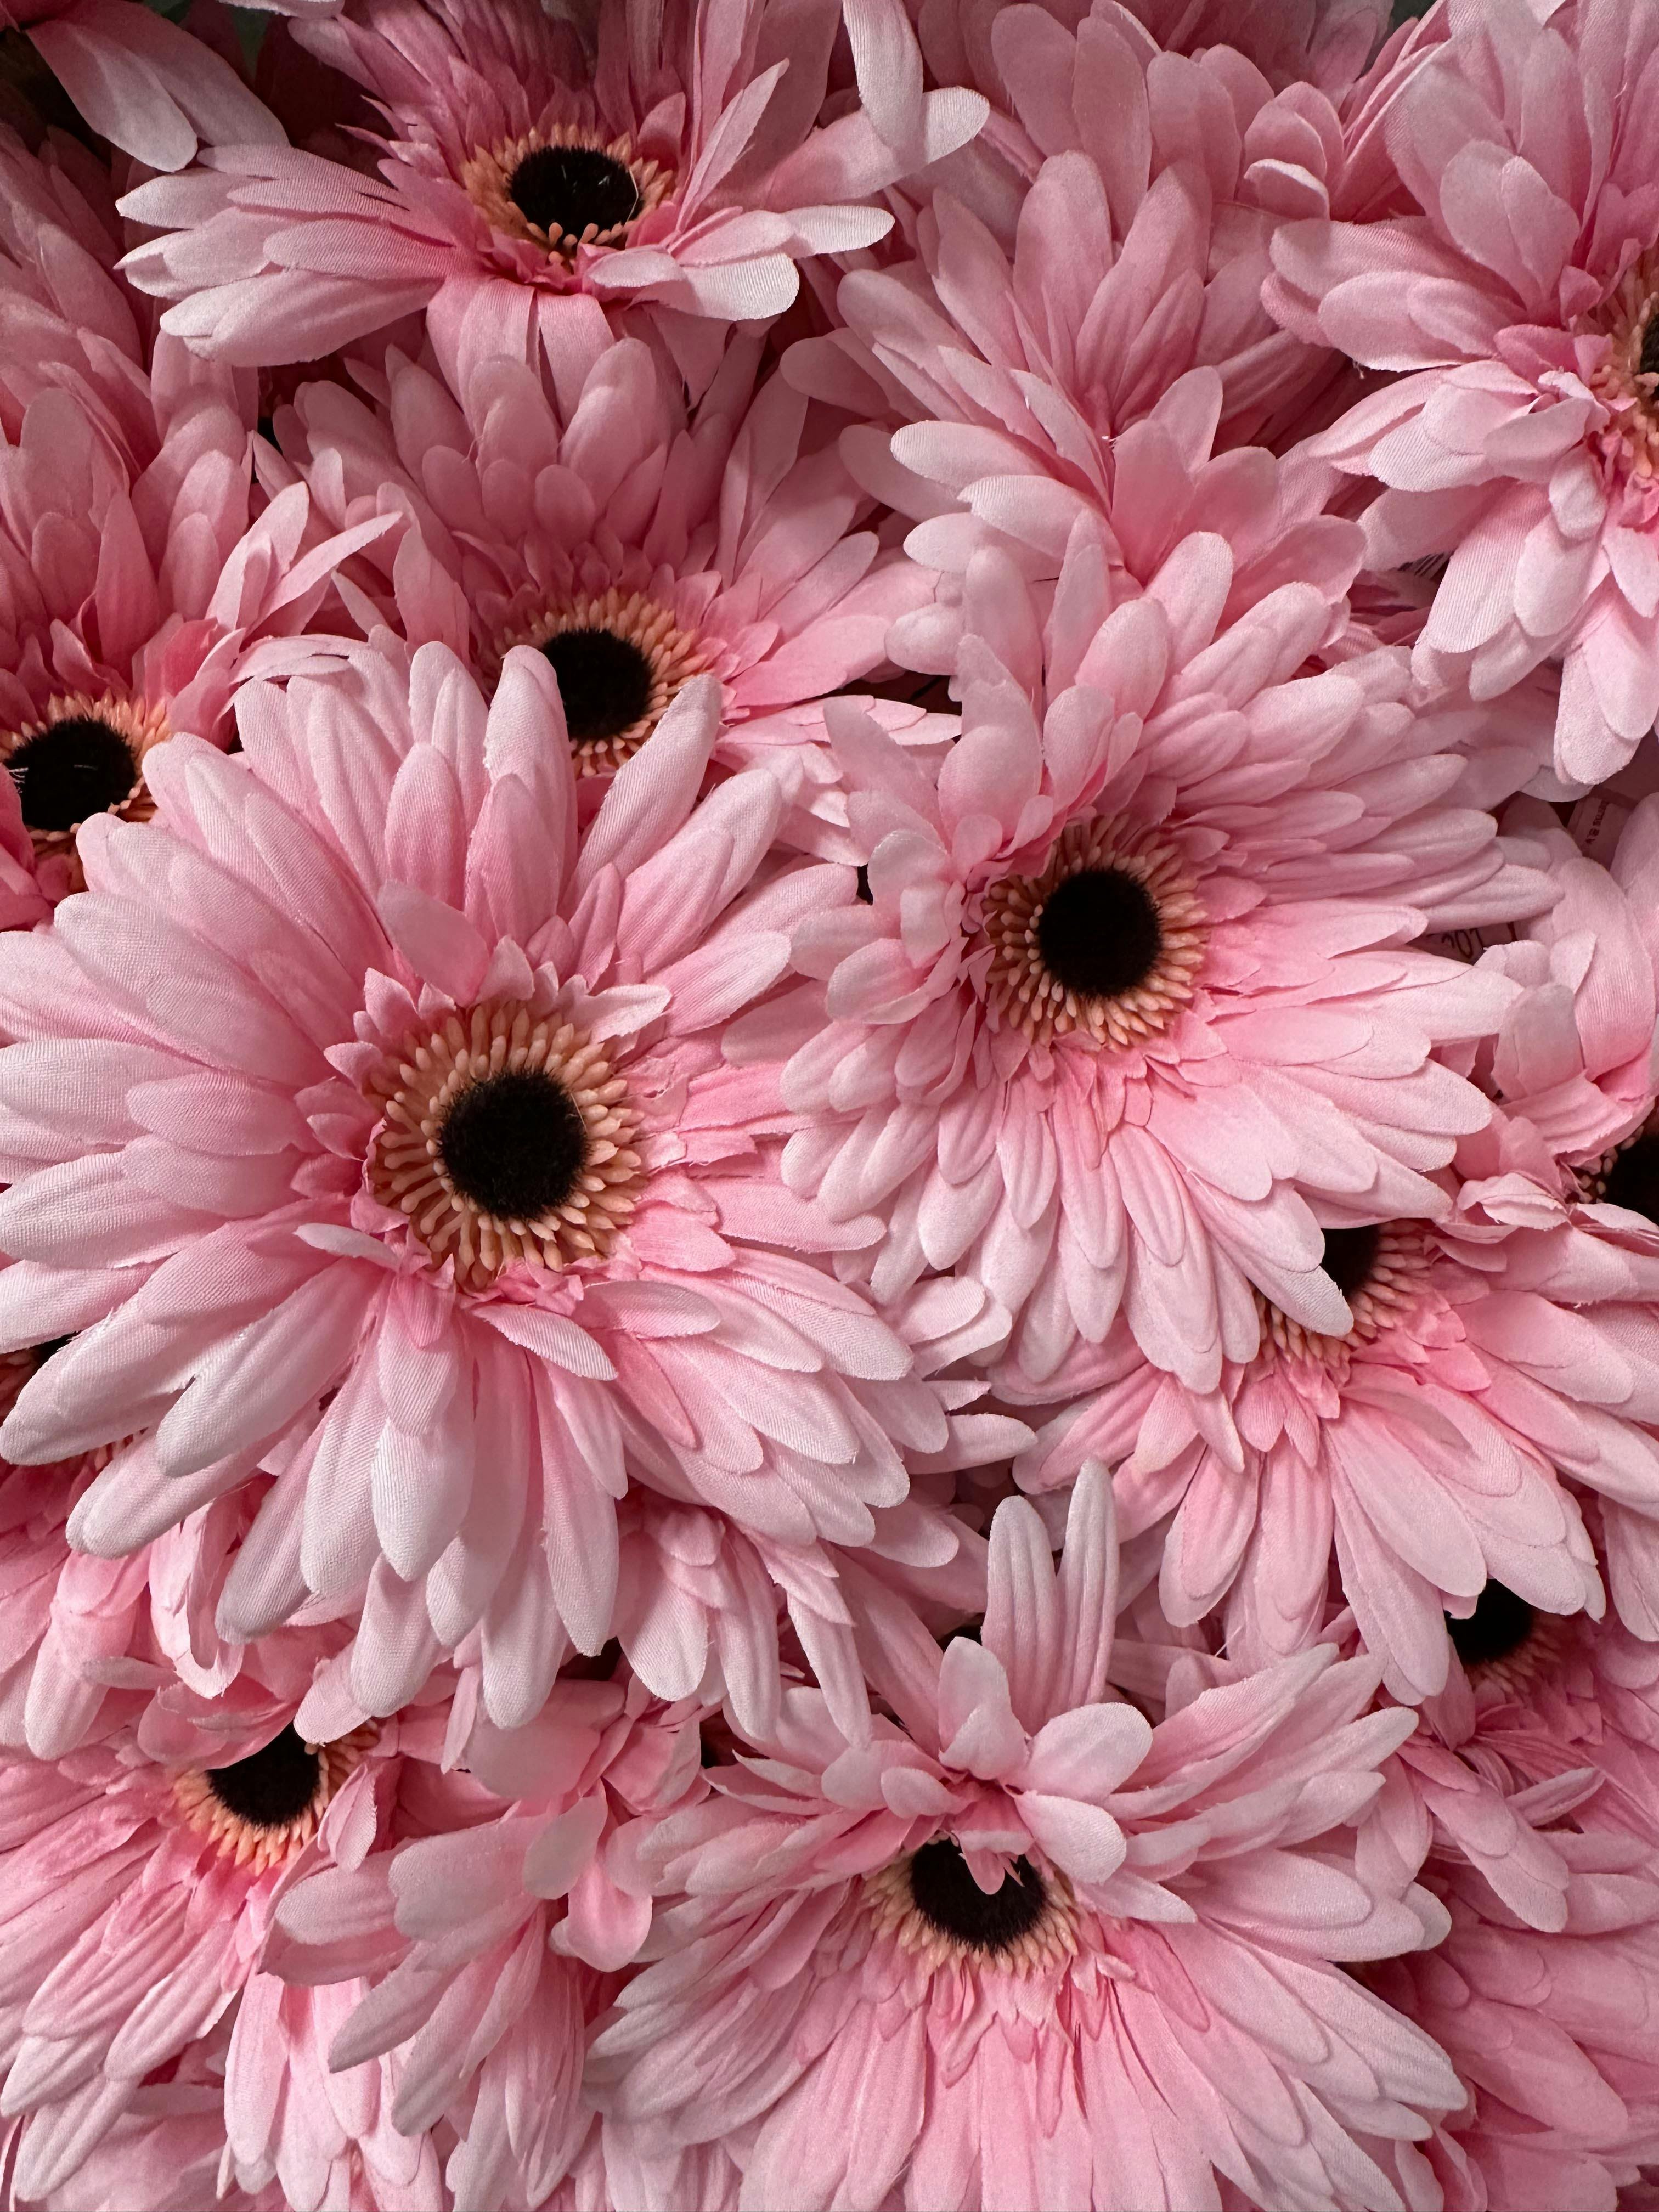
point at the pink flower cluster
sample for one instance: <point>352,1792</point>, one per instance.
<point>830,1107</point>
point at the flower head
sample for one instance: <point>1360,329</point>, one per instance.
<point>431,1172</point>
<point>1501,1360</point>
<point>1422,1450</point>
<point>1545,1719</point>
<point>1552,2032</point>
<point>1570,1162</point>
<point>516,1925</point>
<point>1016,1937</point>
<point>635,541</point>
<point>679,163</point>
<point>138,1890</point>
<point>1098,249</point>
<point>1124,999</point>
<point>162,594</point>
<point>1157,200</point>
<point>1516,291</point>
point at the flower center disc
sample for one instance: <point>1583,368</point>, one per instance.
<point>564,190</point>
<point>1498,1626</point>
<point>1351,1255</point>
<point>514,1144</point>
<point>1107,941</point>
<point>272,1786</point>
<point>1626,381</point>
<point>949,1900</point>
<point>574,191</point>
<point>508,1138</point>
<point>71,770</point>
<point>605,682</point>
<point>1381,1267</point>
<point>622,659</point>
<point>1098,932</point>
<point>263,1810</point>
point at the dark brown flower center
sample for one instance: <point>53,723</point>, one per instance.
<point>1633,1181</point>
<point>71,770</point>
<point>1098,932</point>
<point>1351,1255</point>
<point>565,190</point>
<point>1499,1625</point>
<point>1648,362</point>
<point>270,1787</point>
<point>949,1900</point>
<point>605,681</point>
<point>514,1144</point>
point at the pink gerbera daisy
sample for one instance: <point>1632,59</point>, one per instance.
<point>1106,234</point>
<point>1509,1781</point>
<point>137,591</point>
<point>1490,1353</point>
<point>1134,979</point>
<point>1493,1352</point>
<point>392,1127</point>
<point>679,163</point>
<point>1552,2033</point>
<point>137,1892</point>
<point>1518,293</point>
<point>1575,1153</point>
<point>1541,1718</point>
<point>491,1948</point>
<point>636,542</point>
<point>1025,1949</point>
<point>969,483</point>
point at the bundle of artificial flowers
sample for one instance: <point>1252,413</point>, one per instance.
<point>829,968</point>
